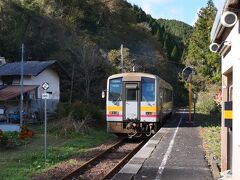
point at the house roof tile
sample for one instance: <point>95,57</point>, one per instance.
<point>31,68</point>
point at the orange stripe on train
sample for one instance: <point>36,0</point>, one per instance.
<point>150,108</point>
<point>114,108</point>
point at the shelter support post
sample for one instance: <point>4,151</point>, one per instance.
<point>224,131</point>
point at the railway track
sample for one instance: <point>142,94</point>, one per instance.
<point>107,163</point>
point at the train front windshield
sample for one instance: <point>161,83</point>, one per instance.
<point>115,89</point>
<point>148,89</point>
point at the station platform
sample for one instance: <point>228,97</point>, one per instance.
<point>174,152</point>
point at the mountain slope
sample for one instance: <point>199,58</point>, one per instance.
<point>177,28</point>
<point>83,33</point>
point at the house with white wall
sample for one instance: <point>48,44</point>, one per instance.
<point>35,73</point>
<point>225,40</point>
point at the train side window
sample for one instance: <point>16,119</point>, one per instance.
<point>148,89</point>
<point>168,95</point>
<point>115,89</point>
<point>161,94</point>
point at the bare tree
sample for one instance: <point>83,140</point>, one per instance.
<point>114,56</point>
<point>89,60</point>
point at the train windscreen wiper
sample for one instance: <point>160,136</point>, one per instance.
<point>145,99</point>
<point>117,101</point>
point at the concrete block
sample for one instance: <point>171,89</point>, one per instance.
<point>144,152</point>
<point>131,168</point>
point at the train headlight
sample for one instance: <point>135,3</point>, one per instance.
<point>150,113</point>
<point>114,112</point>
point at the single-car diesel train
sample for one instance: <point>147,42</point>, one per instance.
<point>137,103</point>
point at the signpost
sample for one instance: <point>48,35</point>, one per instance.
<point>45,96</point>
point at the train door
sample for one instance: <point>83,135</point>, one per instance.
<point>132,100</point>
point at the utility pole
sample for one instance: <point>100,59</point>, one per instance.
<point>122,57</point>
<point>21,82</point>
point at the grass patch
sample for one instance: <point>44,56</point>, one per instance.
<point>210,128</point>
<point>26,160</point>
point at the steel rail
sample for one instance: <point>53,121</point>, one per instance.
<point>75,172</point>
<point>123,161</point>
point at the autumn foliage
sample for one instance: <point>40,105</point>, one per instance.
<point>218,98</point>
<point>25,133</point>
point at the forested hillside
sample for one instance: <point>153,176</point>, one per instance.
<point>85,36</point>
<point>179,29</point>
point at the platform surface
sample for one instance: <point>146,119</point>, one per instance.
<point>174,152</point>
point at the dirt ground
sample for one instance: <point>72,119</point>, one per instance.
<point>65,167</point>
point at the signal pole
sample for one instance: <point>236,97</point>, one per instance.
<point>190,101</point>
<point>187,74</point>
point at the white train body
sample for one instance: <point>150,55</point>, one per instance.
<point>137,103</point>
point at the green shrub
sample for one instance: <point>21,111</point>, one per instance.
<point>76,118</point>
<point>206,101</point>
<point>9,140</point>
<point>78,110</point>
<point>63,110</point>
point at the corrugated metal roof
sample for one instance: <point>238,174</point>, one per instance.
<point>216,23</point>
<point>31,68</point>
<point>10,92</point>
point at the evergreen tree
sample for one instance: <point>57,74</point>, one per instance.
<point>198,55</point>
<point>174,54</point>
<point>165,46</point>
<point>177,28</point>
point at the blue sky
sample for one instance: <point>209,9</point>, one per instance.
<point>183,10</point>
